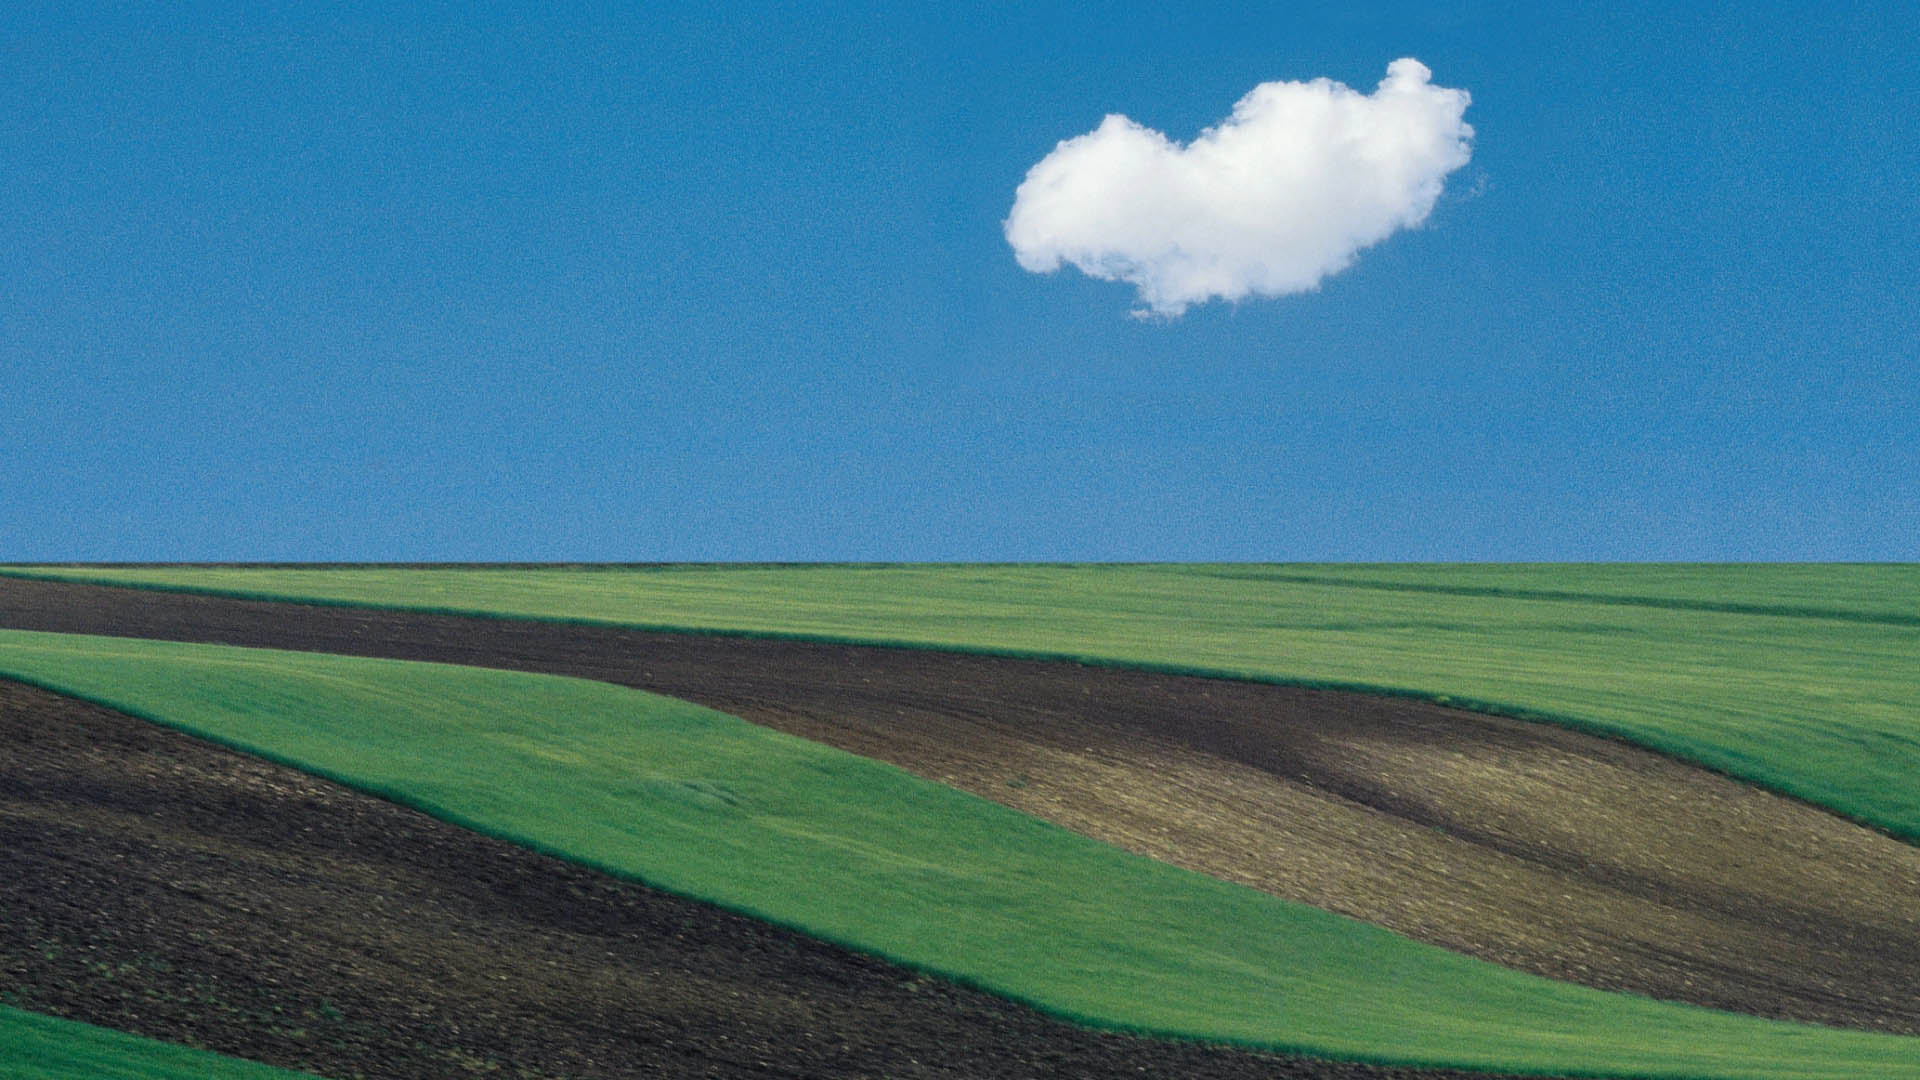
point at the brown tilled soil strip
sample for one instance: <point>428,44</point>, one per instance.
<point>1533,846</point>
<point>158,884</point>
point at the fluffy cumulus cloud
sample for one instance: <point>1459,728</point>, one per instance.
<point>1300,179</point>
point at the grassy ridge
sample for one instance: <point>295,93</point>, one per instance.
<point>1804,678</point>
<point>859,852</point>
<point>36,1047</point>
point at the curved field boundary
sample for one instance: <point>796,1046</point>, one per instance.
<point>863,854</point>
<point>1825,710</point>
<point>36,1047</point>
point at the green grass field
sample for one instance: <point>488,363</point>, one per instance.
<point>35,1047</point>
<point>1802,678</point>
<point>861,853</point>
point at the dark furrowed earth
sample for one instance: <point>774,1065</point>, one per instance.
<point>1532,846</point>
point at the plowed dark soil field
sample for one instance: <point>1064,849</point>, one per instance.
<point>1533,846</point>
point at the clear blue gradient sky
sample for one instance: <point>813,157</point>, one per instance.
<point>494,283</point>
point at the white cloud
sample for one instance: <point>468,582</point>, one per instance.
<point>1286,191</point>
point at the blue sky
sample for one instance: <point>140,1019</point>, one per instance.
<point>493,283</point>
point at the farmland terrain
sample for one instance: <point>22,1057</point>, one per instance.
<point>1803,679</point>
<point>1530,845</point>
<point>160,884</point>
<point>855,851</point>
